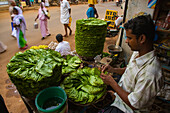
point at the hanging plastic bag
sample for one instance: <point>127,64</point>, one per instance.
<point>35,25</point>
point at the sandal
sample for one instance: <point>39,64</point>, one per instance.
<point>23,48</point>
<point>49,35</point>
<point>42,38</point>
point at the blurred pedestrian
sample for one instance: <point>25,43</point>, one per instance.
<point>43,16</point>
<point>63,47</point>
<point>46,3</point>
<point>20,26</point>
<point>65,14</point>
<point>11,6</point>
<point>3,106</point>
<point>90,11</point>
<point>32,2</point>
<point>3,47</point>
<point>28,3</point>
<point>36,1</point>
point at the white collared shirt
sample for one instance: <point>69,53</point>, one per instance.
<point>142,79</point>
<point>64,48</point>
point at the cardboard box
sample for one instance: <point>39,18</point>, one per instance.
<point>106,60</point>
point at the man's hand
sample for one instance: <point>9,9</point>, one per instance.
<point>110,69</point>
<point>107,79</point>
<point>107,68</point>
<point>36,17</point>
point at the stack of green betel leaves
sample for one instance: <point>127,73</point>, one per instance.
<point>34,70</point>
<point>84,86</point>
<point>70,64</point>
<point>90,37</point>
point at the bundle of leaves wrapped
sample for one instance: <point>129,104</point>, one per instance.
<point>84,86</point>
<point>90,37</point>
<point>70,64</point>
<point>34,70</point>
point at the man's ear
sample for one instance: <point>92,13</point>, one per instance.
<point>142,39</point>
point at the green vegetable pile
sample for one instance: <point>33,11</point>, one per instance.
<point>34,70</point>
<point>84,86</point>
<point>90,37</point>
<point>70,64</point>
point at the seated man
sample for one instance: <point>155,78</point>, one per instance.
<point>63,47</point>
<point>142,78</point>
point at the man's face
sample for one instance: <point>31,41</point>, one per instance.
<point>132,41</point>
<point>15,12</point>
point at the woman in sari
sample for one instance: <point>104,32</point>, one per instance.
<point>43,16</point>
<point>12,5</point>
<point>20,26</point>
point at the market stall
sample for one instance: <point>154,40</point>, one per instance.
<point>41,67</point>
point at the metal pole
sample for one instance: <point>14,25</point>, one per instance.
<point>124,17</point>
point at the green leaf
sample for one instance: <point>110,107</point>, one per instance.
<point>96,81</point>
<point>91,89</point>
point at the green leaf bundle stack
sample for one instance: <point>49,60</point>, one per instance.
<point>84,86</point>
<point>90,37</point>
<point>70,64</point>
<point>34,70</point>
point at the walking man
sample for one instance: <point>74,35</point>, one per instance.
<point>65,14</point>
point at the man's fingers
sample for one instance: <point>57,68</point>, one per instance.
<point>102,76</point>
<point>103,68</point>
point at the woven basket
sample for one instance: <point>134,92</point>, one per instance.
<point>89,104</point>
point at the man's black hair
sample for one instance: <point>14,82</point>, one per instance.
<point>15,9</point>
<point>142,25</point>
<point>59,37</point>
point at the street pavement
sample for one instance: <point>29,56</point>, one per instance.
<point>12,99</point>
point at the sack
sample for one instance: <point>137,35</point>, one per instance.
<point>47,14</point>
<point>35,25</point>
<point>70,19</point>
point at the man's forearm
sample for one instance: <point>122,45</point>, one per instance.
<point>122,94</point>
<point>69,11</point>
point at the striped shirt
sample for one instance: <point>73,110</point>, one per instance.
<point>142,79</point>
